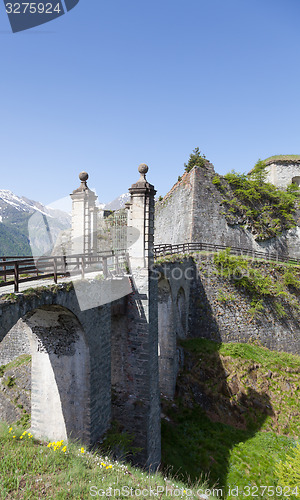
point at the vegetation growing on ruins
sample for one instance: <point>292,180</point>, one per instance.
<point>196,159</point>
<point>279,287</point>
<point>257,205</point>
<point>282,158</point>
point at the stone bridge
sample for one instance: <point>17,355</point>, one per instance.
<point>109,359</point>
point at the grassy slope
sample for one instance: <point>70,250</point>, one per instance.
<point>218,387</point>
<point>29,469</point>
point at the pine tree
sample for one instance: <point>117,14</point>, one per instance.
<point>196,160</point>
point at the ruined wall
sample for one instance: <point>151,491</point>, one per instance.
<point>173,215</point>
<point>192,212</point>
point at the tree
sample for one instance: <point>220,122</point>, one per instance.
<point>259,173</point>
<point>196,160</point>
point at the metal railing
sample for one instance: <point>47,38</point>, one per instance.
<point>166,249</point>
<point>20,269</point>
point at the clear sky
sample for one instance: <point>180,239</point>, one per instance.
<point>116,83</point>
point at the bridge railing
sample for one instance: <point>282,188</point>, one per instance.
<point>20,269</point>
<point>167,249</point>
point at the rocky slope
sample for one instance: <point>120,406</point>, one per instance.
<point>242,385</point>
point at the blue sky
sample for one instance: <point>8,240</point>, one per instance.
<point>113,84</point>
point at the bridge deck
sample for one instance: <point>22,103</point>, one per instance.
<point>4,290</point>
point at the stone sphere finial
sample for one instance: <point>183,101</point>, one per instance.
<point>83,176</point>
<point>143,168</point>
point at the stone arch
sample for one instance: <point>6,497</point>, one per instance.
<point>95,329</point>
<point>60,369</point>
<point>182,312</point>
<point>166,339</point>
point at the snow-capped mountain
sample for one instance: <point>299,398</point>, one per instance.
<point>28,226</point>
<point>9,202</point>
<point>118,202</point>
<point>25,225</point>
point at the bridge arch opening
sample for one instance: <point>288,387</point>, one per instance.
<point>182,312</point>
<point>60,367</point>
<point>166,339</point>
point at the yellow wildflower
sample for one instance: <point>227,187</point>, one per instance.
<point>14,436</point>
<point>21,437</point>
<point>82,450</point>
<point>10,429</point>
<point>64,449</point>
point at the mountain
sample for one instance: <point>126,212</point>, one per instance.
<point>118,202</point>
<point>26,225</point>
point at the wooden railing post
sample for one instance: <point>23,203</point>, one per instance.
<point>16,276</point>
<point>4,269</point>
<point>105,270</point>
<point>117,264</point>
<point>64,264</point>
<point>55,269</point>
<point>82,266</point>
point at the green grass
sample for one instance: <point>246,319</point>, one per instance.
<point>258,354</point>
<point>29,469</point>
<point>20,360</point>
<point>244,455</point>
<point>282,158</point>
<point>194,445</point>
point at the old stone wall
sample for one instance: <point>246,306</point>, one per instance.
<point>174,279</point>
<point>192,212</point>
<point>15,343</point>
<point>282,173</point>
<point>135,388</point>
<point>221,312</point>
<point>217,310</point>
<point>173,215</point>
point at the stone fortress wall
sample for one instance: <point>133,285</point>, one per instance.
<point>282,170</point>
<point>192,211</point>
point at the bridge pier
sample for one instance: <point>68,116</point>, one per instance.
<point>137,403</point>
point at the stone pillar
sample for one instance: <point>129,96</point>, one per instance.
<point>142,339</point>
<point>84,218</point>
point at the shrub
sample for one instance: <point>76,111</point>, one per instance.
<point>265,209</point>
<point>288,472</point>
